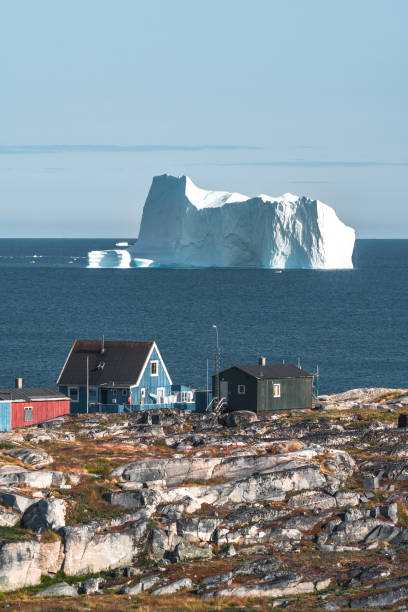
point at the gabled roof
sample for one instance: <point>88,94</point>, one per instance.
<point>31,394</point>
<point>120,363</point>
<point>279,370</point>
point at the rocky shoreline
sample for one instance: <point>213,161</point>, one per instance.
<point>299,510</point>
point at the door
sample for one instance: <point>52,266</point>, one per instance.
<point>104,396</point>
<point>224,388</point>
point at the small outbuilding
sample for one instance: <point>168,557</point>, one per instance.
<point>262,387</point>
<point>21,407</point>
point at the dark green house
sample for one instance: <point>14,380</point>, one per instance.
<point>264,387</point>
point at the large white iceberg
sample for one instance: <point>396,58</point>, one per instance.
<point>183,225</point>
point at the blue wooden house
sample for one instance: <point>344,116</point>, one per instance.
<point>115,374</point>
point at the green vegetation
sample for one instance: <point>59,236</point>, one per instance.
<point>50,536</point>
<point>15,534</point>
<point>7,445</point>
<point>101,466</point>
<point>88,504</point>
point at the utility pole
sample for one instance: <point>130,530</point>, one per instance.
<point>87,384</point>
<point>317,382</point>
<point>217,365</point>
<point>206,388</point>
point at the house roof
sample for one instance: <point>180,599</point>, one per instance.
<point>31,394</point>
<point>279,370</point>
<point>120,363</point>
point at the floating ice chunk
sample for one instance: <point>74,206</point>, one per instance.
<point>115,258</point>
<point>142,263</point>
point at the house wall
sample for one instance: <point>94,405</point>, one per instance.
<point>202,399</point>
<point>42,411</point>
<point>296,393</point>
<point>121,396</point>
<point>151,383</point>
<point>236,401</point>
<point>5,416</point>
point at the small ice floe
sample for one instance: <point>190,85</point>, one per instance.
<point>115,258</point>
<point>142,263</point>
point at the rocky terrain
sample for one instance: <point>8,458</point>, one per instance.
<point>302,510</point>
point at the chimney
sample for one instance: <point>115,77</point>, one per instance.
<point>103,345</point>
<point>262,361</point>
<point>18,383</point>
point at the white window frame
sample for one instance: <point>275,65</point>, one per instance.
<point>276,390</point>
<point>142,393</point>
<point>241,389</point>
<point>156,361</point>
<point>69,394</point>
<point>160,393</point>
<point>32,414</point>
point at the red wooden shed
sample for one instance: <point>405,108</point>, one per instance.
<point>33,405</point>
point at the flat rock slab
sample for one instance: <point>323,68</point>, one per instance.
<point>184,583</point>
<point>61,589</point>
<point>32,457</point>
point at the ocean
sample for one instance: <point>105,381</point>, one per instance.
<point>351,323</point>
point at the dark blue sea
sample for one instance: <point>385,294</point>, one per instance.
<point>352,323</point>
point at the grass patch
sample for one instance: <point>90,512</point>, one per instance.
<point>87,504</point>
<point>101,466</point>
<point>15,534</point>
<point>50,536</point>
<point>402,514</point>
<point>6,445</point>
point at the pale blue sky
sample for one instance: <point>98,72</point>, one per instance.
<point>260,96</point>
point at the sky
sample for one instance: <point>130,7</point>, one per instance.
<point>260,96</point>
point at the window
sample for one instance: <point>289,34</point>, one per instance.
<point>73,393</point>
<point>93,394</point>
<point>241,389</point>
<point>276,390</point>
<point>186,396</point>
<point>154,368</point>
<point>114,391</point>
<point>28,414</point>
<point>142,393</point>
<point>160,394</point>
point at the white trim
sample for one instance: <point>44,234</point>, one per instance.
<point>278,390</point>
<point>68,390</point>
<point>160,395</point>
<point>156,362</point>
<point>66,361</point>
<point>163,364</point>
<point>143,393</point>
<point>154,346</point>
<point>144,365</point>
<point>241,389</point>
